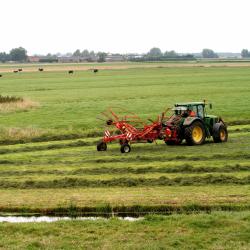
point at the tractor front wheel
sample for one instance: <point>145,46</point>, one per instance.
<point>101,146</point>
<point>220,133</point>
<point>195,134</point>
<point>125,148</point>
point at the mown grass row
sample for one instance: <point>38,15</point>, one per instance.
<point>185,168</point>
<point>78,143</point>
<point>52,137</point>
<point>146,159</point>
<point>129,182</point>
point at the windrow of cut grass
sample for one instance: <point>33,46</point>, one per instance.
<point>78,160</point>
<point>78,143</point>
<point>186,169</point>
<point>68,182</point>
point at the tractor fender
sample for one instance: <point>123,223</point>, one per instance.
<point>189,120</point>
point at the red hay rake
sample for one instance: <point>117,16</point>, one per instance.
<point>130,129</point>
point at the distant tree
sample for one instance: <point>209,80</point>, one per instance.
<point>92,53</point>
<point>171,54</point>
<point>208,53</point>
<point>18,54</point>
<point>77,53</point>
<point>101,56</point>
<point>92,56</point>
<point>85,53</point>
<point>69,54</point>
<point>4,57</point>
<point>154,52</point>
<point>245,53</point>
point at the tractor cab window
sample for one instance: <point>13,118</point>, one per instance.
<point>192,111</point>
<point>200,110</point>
<point>180,110</point>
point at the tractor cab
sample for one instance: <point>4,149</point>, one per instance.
<point>193,109</point>
<point>196,110</point>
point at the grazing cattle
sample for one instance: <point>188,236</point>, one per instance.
<point>1,75</point>
<point>15,71</point>
<point>20,70</point>
<point>95,70</point>
<point>40,69</point>
<point>71,71</point>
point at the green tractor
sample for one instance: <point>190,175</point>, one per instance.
<point>191,122</point>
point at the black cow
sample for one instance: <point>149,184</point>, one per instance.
<point>15,71</point>
<point>1,75</point>
<point>95,70</point>
<point>40,69</point>
<point>20,70</point>
<point>71,71</point>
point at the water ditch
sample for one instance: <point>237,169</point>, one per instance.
<point>37,219</point>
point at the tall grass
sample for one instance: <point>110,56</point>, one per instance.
<point>8,99</point>
<point>13,103</point>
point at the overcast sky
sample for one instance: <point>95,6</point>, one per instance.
<point>124,25</point>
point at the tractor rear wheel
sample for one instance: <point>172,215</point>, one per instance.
<point>195,134</point>
<point>101,146</point>
<point>125,148</point>
<point>220,133</point>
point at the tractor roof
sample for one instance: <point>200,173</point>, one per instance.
<point>181,108</point>
<point>189,104</point>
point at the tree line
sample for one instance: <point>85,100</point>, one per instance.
<point>154,54</point>
<point>245,53</point>
<point>20,55</point>
<point>16,55</point>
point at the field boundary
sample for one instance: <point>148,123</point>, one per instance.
<point>107,210</point>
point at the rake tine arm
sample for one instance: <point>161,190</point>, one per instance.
<point>114,115</point>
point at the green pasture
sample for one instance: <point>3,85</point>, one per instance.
<point>49,163</point>
<point>73,101</point>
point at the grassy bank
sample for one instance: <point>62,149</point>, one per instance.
<point>197,231</point>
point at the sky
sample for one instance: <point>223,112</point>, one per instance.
<point>124,26</point>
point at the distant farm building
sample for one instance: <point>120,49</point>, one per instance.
<point>33,58</point>
<point>76,59</point>
<point>114,58</point>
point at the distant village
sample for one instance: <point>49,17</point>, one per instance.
<point>154,54</point>
<point>78,59</point>
<point>109,57</point>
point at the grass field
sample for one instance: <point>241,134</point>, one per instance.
<point>197,231</point>
<point>49,163</point>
